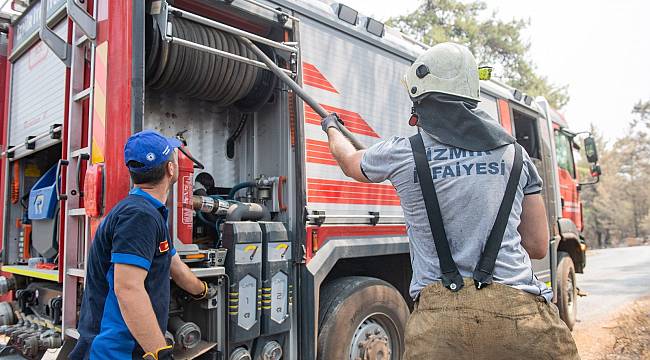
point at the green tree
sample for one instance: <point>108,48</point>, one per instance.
<point>618,207</point>
<point>494,42</point>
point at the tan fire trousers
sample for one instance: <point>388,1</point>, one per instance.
<point>496,322</point>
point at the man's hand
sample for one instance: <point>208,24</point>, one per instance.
<point>164,353</point>
<point>185,279</point>
<point>208,292</point>
<point>331,121</point>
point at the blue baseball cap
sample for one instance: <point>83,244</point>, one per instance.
<point>150,149</point>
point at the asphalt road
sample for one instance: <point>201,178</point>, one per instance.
<point>613,278</point>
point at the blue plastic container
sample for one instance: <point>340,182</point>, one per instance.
<point>42,197</point>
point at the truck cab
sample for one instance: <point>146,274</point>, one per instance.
<point>552,147</point>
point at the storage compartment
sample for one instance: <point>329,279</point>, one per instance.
<point>42,212</point>
<point>32,215</point>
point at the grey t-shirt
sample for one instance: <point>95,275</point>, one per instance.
<point>470,187</point>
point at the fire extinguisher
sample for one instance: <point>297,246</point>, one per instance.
<point>185,189</point>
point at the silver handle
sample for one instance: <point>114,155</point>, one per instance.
<point>85,21</point>
<point>59,165</point>
<point>59,46</point>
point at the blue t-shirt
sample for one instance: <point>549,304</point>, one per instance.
<point>135,232</point>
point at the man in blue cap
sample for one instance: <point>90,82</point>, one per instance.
<point>126,298</point>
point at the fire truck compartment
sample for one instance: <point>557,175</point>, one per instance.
<point>231,111</point>
<point>31,237</point>
<point>207,87</point>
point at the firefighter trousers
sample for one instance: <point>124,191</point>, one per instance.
<point>496,322</point>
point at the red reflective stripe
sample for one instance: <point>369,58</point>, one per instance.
<point>313,77</point>
<point>347,183</point>
<point>355,191</point>
<point>351,195</point>
<point>319,152</point>
<point>308,66</point>
<point>325,200</point>
<point>353,121</point>
<point>316,85</point>
<point>350,192</point>
<point>315,160</point>
<point>324,233</point>
<point>317,144</point>
<point>504,115</point>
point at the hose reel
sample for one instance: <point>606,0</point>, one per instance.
<point>202,75</point>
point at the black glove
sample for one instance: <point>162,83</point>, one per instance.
<point>208,292</point>
<point>332,120</point>
<point>164,353</point>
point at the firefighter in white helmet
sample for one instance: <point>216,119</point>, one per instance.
<point>475,217</point>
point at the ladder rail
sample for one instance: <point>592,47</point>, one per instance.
<point>77,224</point>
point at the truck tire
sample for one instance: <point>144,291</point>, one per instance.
<point>361,318</point>
<point>567,292</point>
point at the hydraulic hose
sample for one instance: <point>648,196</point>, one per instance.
<point>248,211</point>
<point>298,90</point>
<point>236,188</point>
<point>203,75</point>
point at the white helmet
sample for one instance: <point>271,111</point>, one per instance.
<point>446,68</point>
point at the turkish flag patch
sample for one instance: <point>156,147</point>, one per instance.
<point>163,246</point>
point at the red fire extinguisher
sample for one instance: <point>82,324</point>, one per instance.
<point>184,191</point>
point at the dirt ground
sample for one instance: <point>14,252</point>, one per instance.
<point>625,337</point>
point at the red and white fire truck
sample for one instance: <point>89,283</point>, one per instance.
<point>309,264</point>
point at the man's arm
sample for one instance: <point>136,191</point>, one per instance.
<point>348,158</point>
<point>534,226</point>
<point>184,278</point>
<point>136,308</point>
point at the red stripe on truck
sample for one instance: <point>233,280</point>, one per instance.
<point>319,152</point>
<point>353,121</point>
<point>313,77</point>
<point>317,236</point>
<point>350,192</point>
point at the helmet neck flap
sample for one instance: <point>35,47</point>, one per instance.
<point>457,122</point>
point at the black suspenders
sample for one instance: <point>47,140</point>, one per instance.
<point>451,278</point>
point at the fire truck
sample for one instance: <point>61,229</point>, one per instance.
<point>308,263</point>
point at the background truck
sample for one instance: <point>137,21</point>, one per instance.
<point>309,264</point>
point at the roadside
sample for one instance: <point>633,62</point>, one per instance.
<point>625,336</point>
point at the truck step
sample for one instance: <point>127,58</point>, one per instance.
<point>83,39</point>
<point>73,333</point>
<point>80,273</point>
<point>83,153</point>
<point>83,94</point>
<point>77,212</point>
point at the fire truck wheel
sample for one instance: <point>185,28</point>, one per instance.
<point>567,292</point>
<point>361,318</point>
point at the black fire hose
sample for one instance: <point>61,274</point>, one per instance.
<point>298,90</point>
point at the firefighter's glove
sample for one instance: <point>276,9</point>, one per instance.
<point>331,121</point>
<point>208,292</point>
<point>164,353</point>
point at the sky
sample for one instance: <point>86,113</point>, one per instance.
<point>601,49</point>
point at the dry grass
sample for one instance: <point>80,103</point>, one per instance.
<point>626,337</point>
